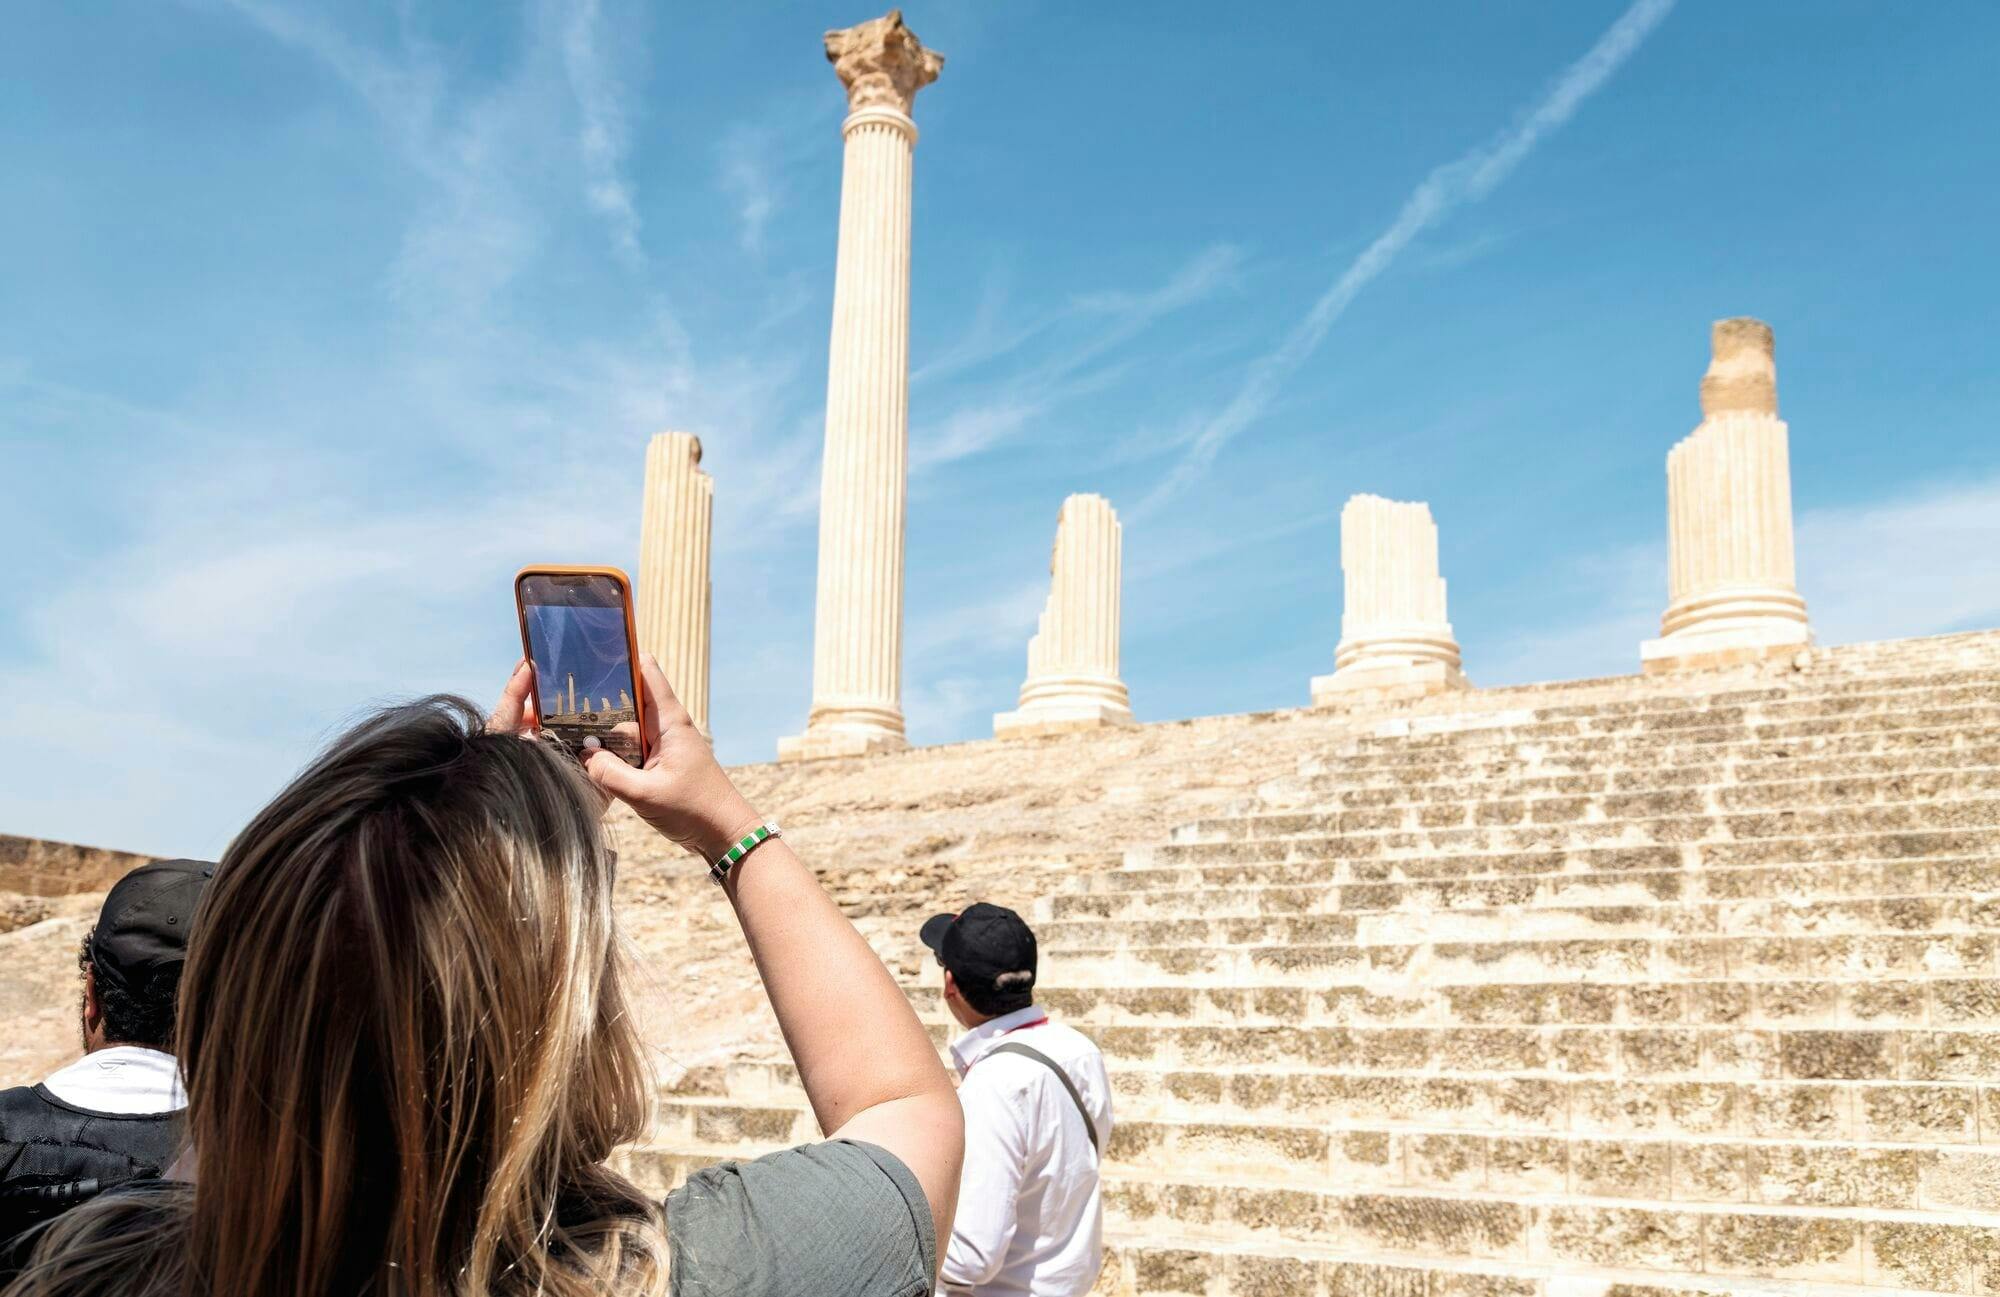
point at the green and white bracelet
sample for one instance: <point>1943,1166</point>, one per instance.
<point>719,869</point>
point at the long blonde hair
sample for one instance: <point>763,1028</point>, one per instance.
<point>406,1045</point>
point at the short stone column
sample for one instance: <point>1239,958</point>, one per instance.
<point>675,595</point>
<point>1732,589</point>
<point>1395,641</point>
<point>858,614</point>
<point>1073,679</point>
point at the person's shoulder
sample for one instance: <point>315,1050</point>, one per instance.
<point>835,1216</point>
<point>1070,1041</point>
<point>22,1102</point>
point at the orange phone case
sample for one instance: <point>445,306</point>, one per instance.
<point>631,634</point>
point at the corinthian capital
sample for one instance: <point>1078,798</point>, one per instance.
<point>882,63</point>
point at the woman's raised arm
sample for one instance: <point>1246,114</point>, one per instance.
<point>867,1065</point>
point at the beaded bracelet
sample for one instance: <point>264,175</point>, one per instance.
<point>719,868</point>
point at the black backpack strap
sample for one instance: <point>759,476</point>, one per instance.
<point>1069,1086</point>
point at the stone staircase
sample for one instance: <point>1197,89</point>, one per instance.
<point>1639,992</point>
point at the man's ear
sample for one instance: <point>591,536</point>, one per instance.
<point>950,986</point>
<point>93,1013</point>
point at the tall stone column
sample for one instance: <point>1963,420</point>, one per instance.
<point>675,594</point>
<point>1073,679</point>
<point>1732,590</point>
<point>1395,641</point>
<point>857,703</point>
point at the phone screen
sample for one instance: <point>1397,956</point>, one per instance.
<point>581,650</point>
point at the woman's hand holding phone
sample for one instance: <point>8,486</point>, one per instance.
<point>682,790</point>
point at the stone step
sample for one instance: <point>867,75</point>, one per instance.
<point>1452,806</point>
<point>1726,1002</point>
<point>1734,1054</point>
<point>1344,789</point>
<point>1911,792</point>
<point>1882,1247</point>
<point>1614,876</point>
<point>1171,1265</point>
<point>1964,685</point>
<point>1933,1112</point>
<point>1947,1112</point>
<point>1502,753</point>
<point>1888,954</point>
<point>1365,834</point>
<point>1233,927</point>
<point>1774,1173</point>
<point>1674,1168</point>
<point>1803,719</point>
<point>1887,714</point>
<point>1168,1263</point>
<point>1902,1250</point>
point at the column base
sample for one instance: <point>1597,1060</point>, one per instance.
<point>1060,718</point>
<point>1736,646</point>
<point>1368,682</point>
<point>837,743</point>
<point>846,729</point>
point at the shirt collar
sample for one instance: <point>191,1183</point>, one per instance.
<point>126,1079</point>
<point>973,1045</point>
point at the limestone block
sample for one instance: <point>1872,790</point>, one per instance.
<point>858,610</point>
<point>1073,680</point>
<point>1395,640</point>
<point>674,597</point>
<point>1732,590</point>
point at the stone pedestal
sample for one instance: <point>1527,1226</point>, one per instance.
<point>1395,641</point>
<point>858,614</point>
<point>674,594</point>
<point>1732,592</point>
<point>1073,679</point>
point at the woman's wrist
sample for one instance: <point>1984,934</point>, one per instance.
<point>726,827</point>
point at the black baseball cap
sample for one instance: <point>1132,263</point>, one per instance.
<point>989,951</point>
<point>141,935</point>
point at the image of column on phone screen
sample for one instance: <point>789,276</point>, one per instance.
<point>584,677</point>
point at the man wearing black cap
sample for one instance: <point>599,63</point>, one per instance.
<point>1037,1115</point>
<point>114,1114</point>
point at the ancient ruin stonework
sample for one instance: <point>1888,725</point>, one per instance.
<point>858,614</point>
<point>1073,658</point>
<point>674,597</point>
<point>1733,590</point>
<point>1657,987</point>
<point>1395,640</point>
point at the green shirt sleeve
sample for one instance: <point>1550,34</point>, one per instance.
<point>833,1218</point>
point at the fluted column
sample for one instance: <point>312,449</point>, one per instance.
<point>1395,639</point>
<point>1732,589</point>
<point>1073,657</point>
<point>674,594</point>
<point>858,614</point>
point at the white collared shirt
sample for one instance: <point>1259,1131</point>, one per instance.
<point>129,1080</point>
<point>1030,1217</point>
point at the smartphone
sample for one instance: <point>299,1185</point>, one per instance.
<point>576,629</point>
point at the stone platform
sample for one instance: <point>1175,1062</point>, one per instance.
<point>1683,984</point>
<point>1637,987</point>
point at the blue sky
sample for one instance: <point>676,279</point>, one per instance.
<point>317,321</point>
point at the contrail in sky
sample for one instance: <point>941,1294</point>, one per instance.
<point>1465,179</point>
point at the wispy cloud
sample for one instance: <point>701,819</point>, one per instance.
<point>460,436</point>
<point>1925,561</point>
<point>1084,331</point>
<point>1466,179</point>
<point>749,183</point>
<point>602,131</point>
<point>989,623</point>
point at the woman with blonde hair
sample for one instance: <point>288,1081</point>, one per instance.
<point>408,1049</point>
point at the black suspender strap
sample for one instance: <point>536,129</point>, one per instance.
<point>1069,1086</point>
